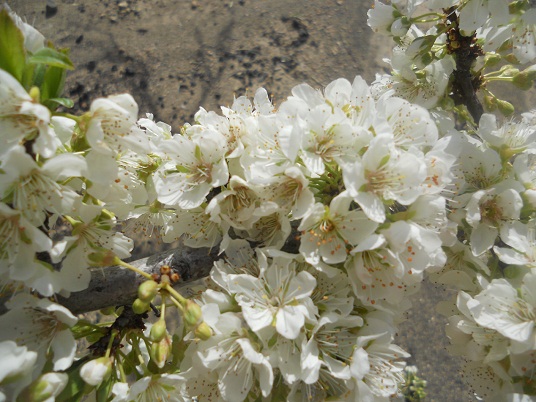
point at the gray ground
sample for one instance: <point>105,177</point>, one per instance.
<point>176,55</point>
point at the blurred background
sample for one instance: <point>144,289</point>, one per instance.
<point>174,56</point>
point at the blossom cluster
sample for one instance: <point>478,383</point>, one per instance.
<point>328,212</point>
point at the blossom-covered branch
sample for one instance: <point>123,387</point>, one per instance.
<point>314,221</point>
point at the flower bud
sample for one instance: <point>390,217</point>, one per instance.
<point>147,291</point>
<point>506,108</point>
<point>192,313</point>
<point>158,331</point>
<point>140,307</point>
<point>108,310</point>
<point>491,59</point>
<point>95,371</point>
<point>46,387</point>
<point>103,258</point>
<point>400,26</point>
<point>525,79</point>
<point>490,103</point>
<point>35,94</point>
<point>203,331</point>
<point>160,351</point>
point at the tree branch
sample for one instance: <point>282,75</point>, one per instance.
<point>465,51</point>
<point>116,286</point>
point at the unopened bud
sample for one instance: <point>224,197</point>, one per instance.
<point>506,108</point>
<point>35,94</point>
<point>400,26</point>
<point>158,331</point>
<point>103,258</point>
<point>108,310</point>
<point>160,351</point>
<point>46,387</point>
<point>490,103</point>
<point>192,313</point>
<point>491,59</point>
<point>147,291</point>
<point>525,79</point>
<point>140,306</point>
<point>203,331</point>
<point>97,370</point>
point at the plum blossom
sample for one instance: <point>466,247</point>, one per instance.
<point>41,326</point>
<point>509,311</point>
<point>36,190</point>
<point>522,240</point>
<point>384,174</point>
<point>111,126</point>
<point>330,347</point>
<point>197,166</point>
<point>328,137</point>
<point>16,369</point>
<point>23,119</point>
<point>376,365</point>
<point>326,231</point>
<point>487,212</point>
<point>235,358</point>
<point>280,297</point>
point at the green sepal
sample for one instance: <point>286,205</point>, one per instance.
<point>104,390</point>
<point>384,160</point>
<point>12,52</point>
<point>51,57</point>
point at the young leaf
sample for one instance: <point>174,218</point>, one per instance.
<point>12,53</point>
<point>51,57</point>
<point>52,83</point>
<point>54,102</point>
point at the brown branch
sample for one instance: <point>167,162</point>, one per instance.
<point>116,286</point>
<point>466,83</point>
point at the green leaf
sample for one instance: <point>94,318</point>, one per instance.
<point>52,57</point>
<point>104,390</point>
<point>52,103</point>
<point>12,52</point>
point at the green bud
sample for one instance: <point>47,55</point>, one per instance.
<point>46,387</point>
<point>103,258</point>
<point>506,108</point>
<point>108,310</point>
<point>147,291</point>
<point>491,59</point>
<point>35,93</point>
<point>192,313</point>
<point>525,79</point>
<point>158,331</point>
<point>509,71</point>
<point>203,331</point>
<point>490,103</point>
<point>140,306</point>
<point>160,351</point>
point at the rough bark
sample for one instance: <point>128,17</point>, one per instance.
<point>116,286</point>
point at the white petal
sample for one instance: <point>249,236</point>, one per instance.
<point>64,347</point>
<point>289,322</point>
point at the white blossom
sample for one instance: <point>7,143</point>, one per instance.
<point>279,297</point>
<point>41,326</point>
